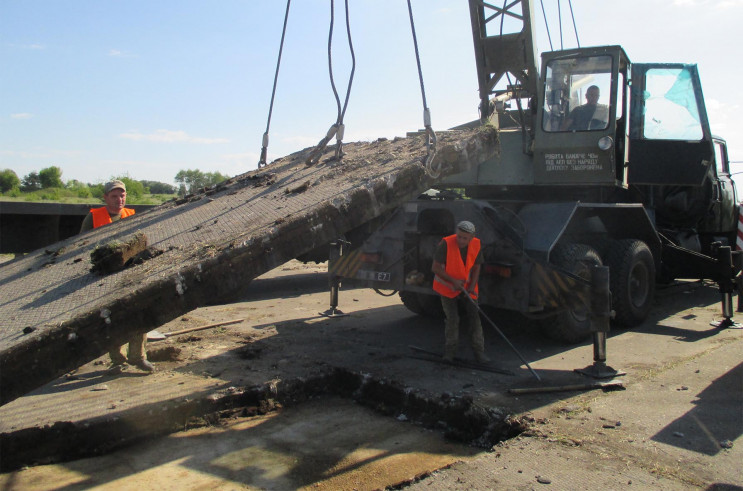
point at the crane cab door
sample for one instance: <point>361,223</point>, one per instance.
<point>722,216</point>
<point>581,138</point>
<point>670,139</point>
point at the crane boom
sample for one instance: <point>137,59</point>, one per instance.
<point>499,53</point>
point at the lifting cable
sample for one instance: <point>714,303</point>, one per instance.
<point>546,25</point>
<point>430,135</point>
<point>559,23</point>
<point>264,150</point>
<point>575,28</point>
<point>338,128</point>
<point>559,13</point>
<point>525,137</point>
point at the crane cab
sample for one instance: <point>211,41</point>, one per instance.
<point>603,121</point>
<point>581,126</point>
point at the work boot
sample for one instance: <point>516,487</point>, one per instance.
<point>481,358</point>
<point>117,358</point>
<point>115,369</point>
<point>449,353</point>
<point>143,365</point>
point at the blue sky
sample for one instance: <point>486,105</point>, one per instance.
<point>147,88</point>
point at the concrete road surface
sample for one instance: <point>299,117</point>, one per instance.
<point>677,424</point>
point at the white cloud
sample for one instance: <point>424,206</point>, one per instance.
<point>168,136</point>
<point>117,53</point>
<point>22,116</point>
<point>41,155</point>
<point>24,155</point>
<point>301,141</point>
<point>720,4</point>
<point>240,157</point>
<point>28,46</point>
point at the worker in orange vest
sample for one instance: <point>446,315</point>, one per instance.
<point>114,195</point>
<point>456,266</point>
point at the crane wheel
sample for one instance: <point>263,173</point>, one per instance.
<point>631,280</point>
<point>422,304</point>
<point>574,324</point>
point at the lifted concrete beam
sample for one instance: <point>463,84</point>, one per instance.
<point>55,314</point>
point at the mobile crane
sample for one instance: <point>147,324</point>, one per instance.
<point>634,180</point>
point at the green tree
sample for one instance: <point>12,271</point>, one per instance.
<point>51,177</point>
<point>156,187</point>
<point>96,190</point>
<point>8,180</point>
<point>31,182</point>
<point>215,178</point>
<point>80,189</point>
<point>193,180</point>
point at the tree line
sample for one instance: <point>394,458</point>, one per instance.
<point>50,179</point>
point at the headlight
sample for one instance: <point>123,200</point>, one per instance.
<point>606,142</point>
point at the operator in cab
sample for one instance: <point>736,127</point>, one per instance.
<point>456,266</point>
<point>589,116</point>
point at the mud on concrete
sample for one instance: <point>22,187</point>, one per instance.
<point>459,418</point>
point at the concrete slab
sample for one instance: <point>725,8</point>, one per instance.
<point>57,315</point>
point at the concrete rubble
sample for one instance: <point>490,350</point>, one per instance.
<point>205,248</point>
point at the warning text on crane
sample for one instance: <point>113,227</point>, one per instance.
<point>571,162</point>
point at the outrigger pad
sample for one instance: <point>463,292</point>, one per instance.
<point>57,315</point>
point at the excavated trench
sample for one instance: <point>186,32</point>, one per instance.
<point>459,418</point>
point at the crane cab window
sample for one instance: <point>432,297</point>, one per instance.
<point>721,159</point>
<point>577,94</point>
<point>671,111</point>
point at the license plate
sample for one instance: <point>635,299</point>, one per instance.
<point>364,274</point>
<point>383,276</point>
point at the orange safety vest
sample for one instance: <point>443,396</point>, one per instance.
<point>456,268</point>
<point>101,216</point>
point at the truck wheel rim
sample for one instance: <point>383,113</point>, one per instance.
<point>639,285</point>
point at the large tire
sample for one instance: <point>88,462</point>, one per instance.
<point>410,300</point>
<point>572,325</point>
<point>631,280</point>
<point>422,304</point>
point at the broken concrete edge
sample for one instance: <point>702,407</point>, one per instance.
<point>50,353</point>
<point>113,256</point>
<point>458,417</point>
<point>484,144</point>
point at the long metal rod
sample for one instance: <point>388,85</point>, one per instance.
<point>479,309</point>
<point>201,328</point>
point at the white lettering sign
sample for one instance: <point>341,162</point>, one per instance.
<point>572,162</point>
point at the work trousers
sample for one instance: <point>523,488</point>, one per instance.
<point>135,352</point>
<point>451,331</point>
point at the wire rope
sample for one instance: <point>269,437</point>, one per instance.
<point>264,149</point>
<point>559,23</point>
<point>575,28</point>
<point>330,59</point>
<point>524,134</point>
<point>546,25</point>
<point>430,134</point>
<point>338,128</point>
